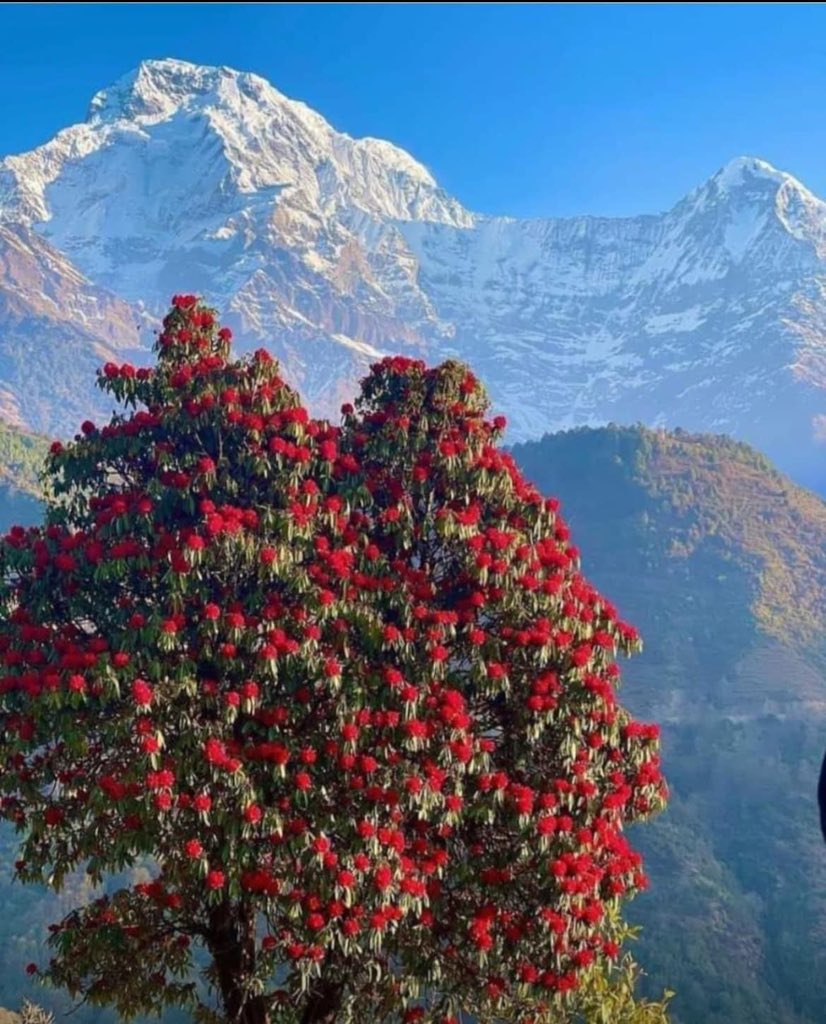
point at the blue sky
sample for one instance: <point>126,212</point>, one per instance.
<point>532,110</point>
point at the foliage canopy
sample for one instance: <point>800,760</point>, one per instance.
<point>344,688</point>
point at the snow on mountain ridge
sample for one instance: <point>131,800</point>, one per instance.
<point>267,139</point>
<point>334,250</point>
<point>736,171</point>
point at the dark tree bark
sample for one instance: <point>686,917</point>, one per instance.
<point>323,1003</point>
<point>231,941</point>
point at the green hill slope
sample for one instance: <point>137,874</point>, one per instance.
<point>721,563</point>
<point>21,459</point>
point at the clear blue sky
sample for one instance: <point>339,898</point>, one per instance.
<point>535,110</point>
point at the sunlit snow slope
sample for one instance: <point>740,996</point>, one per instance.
<point>333,250</point>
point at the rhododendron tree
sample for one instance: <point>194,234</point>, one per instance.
<point>342,688</point>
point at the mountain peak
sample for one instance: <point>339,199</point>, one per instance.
<point>751,174</point>
<point>240,103</point>
<point>155,89</point>
<point>225,144</point>
<point>743,169</point>
<point>751,190</point>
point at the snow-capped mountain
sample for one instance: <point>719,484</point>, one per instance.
<point>333,250</point>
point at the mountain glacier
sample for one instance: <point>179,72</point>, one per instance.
<point>332,251</point>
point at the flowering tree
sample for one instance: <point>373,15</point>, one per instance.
<point>343,689</point>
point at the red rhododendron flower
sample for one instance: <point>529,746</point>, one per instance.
<point>142,693</point>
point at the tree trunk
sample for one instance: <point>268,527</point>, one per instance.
<point>323,1003</point>
<point>231,941</point>
<point>232,944</point>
